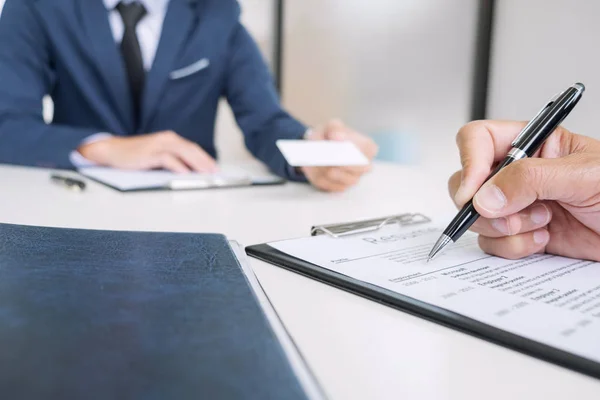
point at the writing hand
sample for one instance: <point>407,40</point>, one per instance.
<point>547,203</point>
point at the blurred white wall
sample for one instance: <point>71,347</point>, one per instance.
<point>402,67</point>
<point>541,47</point>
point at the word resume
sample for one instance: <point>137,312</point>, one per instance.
<point>545,298</point>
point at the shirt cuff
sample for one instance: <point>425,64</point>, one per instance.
<point>80,161</point>
<point>294,174</point>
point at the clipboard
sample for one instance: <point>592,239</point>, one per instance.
<point>141,181</point>
<point>341,230</point>
<point>183,342</point>
<point>412,306</point>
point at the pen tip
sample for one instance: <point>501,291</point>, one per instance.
<point>439,246</point>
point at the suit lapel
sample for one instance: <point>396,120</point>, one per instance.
<point>109,62</point>
<point>180,20</point>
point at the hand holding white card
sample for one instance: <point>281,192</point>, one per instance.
<point>321,153</point>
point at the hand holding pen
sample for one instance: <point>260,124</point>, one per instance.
<point>513,190</point>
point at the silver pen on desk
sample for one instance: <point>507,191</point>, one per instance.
<point>68,182</point>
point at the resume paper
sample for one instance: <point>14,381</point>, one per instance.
<point>545,298</point>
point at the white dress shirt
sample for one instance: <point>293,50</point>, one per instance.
<point>148,32</point>
<point>148,29</point>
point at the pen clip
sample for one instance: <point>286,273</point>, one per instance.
<point>534,119</point>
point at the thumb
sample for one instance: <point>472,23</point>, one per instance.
<point>472,176</point>
<point>335,130</point>
<point>525,181</point>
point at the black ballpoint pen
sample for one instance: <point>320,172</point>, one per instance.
<point>529,140</point>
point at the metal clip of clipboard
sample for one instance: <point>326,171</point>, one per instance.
<point>371,225</point>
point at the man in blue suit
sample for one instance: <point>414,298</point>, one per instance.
<point>136,85</point>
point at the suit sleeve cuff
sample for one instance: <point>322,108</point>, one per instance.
<point>294,173</point>
<point>80,161</point>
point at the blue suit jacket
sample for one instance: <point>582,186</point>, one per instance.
<point>65,48</point>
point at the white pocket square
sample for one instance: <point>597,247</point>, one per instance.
<point>190,69</point>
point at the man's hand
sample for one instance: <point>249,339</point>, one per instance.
<point>338,179</point>
<point>165,150</point>
<point>550,203</point>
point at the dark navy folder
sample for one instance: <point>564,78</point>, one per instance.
<point>132,315</point>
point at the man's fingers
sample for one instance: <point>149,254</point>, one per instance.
<point>315,134</point>
<point>329,186</point>
<point>188,152</point>
<point>496,136</point>
<point>331,179</point>
<point>453,185</point>
<point>341,176</point>
<point>368,147</point>
<point>171,163</point>
<point>515,247</point>
<point>481,143</point>
<point>484,143</point>
<point>335,130</point>
<point>358,170</point>
<point>532,218</point>
<point>196,158</point>
<point>569,179</point>
<point>322,182</point>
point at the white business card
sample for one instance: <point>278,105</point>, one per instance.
<point>321,153</point>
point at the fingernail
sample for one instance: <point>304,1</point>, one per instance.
<point>541,236</point>
<point>501,225</point>
<point>539,215</point>
<point>490,198</point>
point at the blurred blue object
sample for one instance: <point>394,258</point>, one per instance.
<point>397,147</point>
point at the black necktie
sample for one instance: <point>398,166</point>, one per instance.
<point>131,14</point>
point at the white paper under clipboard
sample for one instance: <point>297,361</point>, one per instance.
<point>341,230</point>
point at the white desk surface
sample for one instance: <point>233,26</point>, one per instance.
<point>358,349</point>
